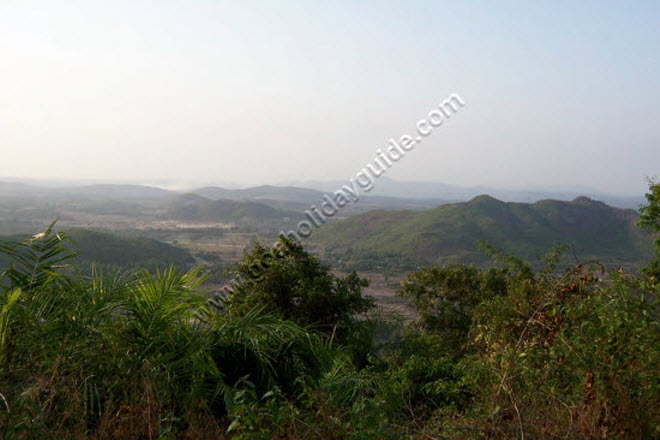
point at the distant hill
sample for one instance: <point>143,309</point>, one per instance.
<point>116,192</point>
<point>268,192</point>
<point>299,199</point>
<point>193,207</point>
<point>386,194</point>
<point>450,233</point>
<point>440,191</point>
<point>17,189</point>
<point>97,192</point>
<point>24,207</point>
<point>107,249</point>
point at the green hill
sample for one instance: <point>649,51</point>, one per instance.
<point>451,233</point>
<point>192,207</point>
<point>107,249</point>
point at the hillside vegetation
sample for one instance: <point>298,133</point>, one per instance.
<point>452,233</point>
<point>110,250</point>
<point>192,207</point>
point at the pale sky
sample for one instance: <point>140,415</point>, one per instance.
<point>556,93</point>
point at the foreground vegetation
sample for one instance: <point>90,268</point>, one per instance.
<point>293,351</point>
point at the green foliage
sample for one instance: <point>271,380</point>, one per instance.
<point>445,298</point>
<point>122,354</point>
<point>650,219</point>
<point>569,357</point>
<point>288,281</point>
<point>35,262</point>
<point>423,378</point>
<point>510,353</point>
<point>9,302</point>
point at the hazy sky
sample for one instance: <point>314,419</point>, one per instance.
<point>557,93</point>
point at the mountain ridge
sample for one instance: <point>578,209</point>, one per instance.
<point>451,233</point>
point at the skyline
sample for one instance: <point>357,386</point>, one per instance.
<point>382,186</point>
<point>562,95</point>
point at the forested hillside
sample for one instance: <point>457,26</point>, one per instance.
<point>192,207</point>
<point>112,251</point>
<point>452,233</point>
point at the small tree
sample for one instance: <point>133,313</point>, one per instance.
<point>649,219</point>
<point>289,282</point>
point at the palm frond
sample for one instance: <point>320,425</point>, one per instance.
<point>37,260</point>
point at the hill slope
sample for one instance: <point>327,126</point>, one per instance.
<point>451,233</point>
<point>193,207</point>
<point>107,249</point>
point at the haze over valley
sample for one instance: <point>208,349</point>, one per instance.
<point>224,222</point>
